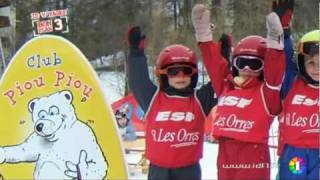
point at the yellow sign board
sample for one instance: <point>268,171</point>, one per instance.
<point>55,122</point>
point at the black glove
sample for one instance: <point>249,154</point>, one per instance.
<point>284,9</point>
<point>136,40</point>
<point>226,45</point>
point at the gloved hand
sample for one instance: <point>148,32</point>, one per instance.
<point>201,22</point>
<point>2,155</point>
<point>284,9</point>
<point>226,45</point>
<point>274,32</point>
<point>136,40</point>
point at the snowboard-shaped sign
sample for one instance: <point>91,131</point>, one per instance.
<point>54,121</point>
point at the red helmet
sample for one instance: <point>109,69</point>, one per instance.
<point>251,46</point>
<point>176,54</point>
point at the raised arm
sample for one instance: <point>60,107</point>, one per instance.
<point>215,63</point>
<point>284,9</point>
<point>275,58</point>
<point>137,71</point>
<point>291,70</point>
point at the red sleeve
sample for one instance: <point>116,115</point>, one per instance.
<point>215,64</point>
<point>274,70</point>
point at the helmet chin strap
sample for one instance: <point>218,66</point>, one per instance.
<point>309,80</point>
<point>187,91</point>
<point>314,85</point>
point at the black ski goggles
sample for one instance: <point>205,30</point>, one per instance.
<point>251,63</point>
<point>309,48</point>
<point>175,69</point>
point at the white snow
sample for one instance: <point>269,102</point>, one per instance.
<point>112,84</point>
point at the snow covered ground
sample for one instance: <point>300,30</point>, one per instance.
<point>112,84</point>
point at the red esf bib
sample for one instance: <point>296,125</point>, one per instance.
<point>242,115</point>
<point>174,130</point>
<point>300,123</point>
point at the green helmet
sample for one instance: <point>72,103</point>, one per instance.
<point>312,36</point>
<point>308,45</point>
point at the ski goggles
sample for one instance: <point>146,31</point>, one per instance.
<point>175,69</point>
<point>309,48</point>
<point>254,64</point>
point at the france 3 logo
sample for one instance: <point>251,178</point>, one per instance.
<point>50,22</point>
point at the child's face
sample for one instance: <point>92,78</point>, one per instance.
<point>179,81</point>
<point>179,76</point>
<point>248,73</point>
<point>122,121</point>
<point>311,64</point>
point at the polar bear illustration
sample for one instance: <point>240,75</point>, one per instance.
<point>62,146</point>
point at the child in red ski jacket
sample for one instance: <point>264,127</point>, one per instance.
<point>175,111</point>
<point>299,141</point>
<point>248,96</point>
